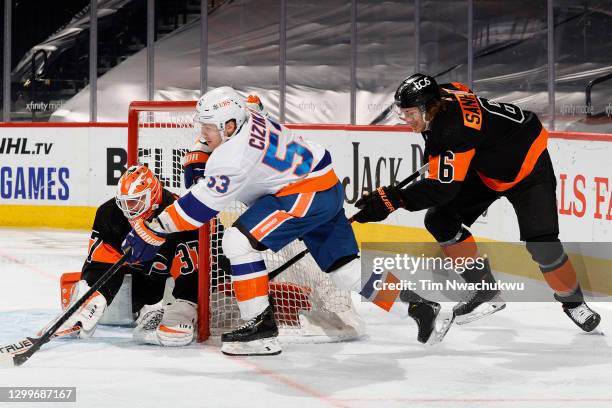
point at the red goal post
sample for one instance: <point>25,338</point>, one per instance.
<point>135,109</point>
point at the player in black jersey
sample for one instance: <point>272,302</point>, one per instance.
<point>140,195</point>
<point>478,151</point>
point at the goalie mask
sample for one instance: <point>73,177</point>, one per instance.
<point>139,193</point>
<point>218,107</point>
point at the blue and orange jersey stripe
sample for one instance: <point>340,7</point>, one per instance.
<point>277,218</point>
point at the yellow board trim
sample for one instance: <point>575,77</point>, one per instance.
<point>514,259</point>
<point>51,216</point>
<point>390,233</point>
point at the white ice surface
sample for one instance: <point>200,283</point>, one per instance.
<point>529,355</point>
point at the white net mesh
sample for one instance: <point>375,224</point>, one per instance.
<point>308,307</point>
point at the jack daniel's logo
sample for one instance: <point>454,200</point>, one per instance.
<point>370,173</point>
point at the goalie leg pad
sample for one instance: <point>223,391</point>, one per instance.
<point>178,325</point>
<point>87,317</point>
<point>149,318</point>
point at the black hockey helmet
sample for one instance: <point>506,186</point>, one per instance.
<point>417,90</point>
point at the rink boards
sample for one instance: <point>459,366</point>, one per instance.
<point>56,174</point>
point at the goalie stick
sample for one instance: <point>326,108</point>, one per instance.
<point>23,345</point>
<point>273,274</point>
<point>37,342</point>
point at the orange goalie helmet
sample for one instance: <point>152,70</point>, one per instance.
<point>139,193</point>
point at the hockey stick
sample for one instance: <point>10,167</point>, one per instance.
<point>37,342</point>
<point>23,345</point>
<point>273,274</point>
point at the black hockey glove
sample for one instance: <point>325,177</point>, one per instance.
<point>378,205</point>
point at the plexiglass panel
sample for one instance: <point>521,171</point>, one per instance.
<point>318,61</point>
<point>510,53</point>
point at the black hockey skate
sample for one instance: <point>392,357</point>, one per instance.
<point>583,316</point>
<point>480,303</point>
<point>426,314</point>
<point>257,337</point>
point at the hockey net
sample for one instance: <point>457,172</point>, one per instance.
<point>308,307</point>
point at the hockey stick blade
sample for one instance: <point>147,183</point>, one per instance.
<point>21,358</point>
<point>20,346</point>
<point>24,345</point>
<point>7,361</point>
<point>273,274</point>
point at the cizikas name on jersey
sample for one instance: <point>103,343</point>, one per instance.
<point>21,145</point>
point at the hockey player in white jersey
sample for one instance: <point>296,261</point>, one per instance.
<point>292,192</point>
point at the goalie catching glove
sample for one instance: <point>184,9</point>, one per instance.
<point>378,205</point>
